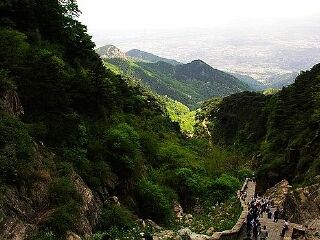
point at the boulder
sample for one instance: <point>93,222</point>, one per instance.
<point>178,210</point>
<point>72,236</point>
<point>186,233</point>
<point>153,224</point>
<point>114,200</point>
<point>166,234</point>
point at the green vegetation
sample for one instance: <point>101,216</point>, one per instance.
<point>181,114</point>
<point>280,130</point>
<point>189,84</point>
<point>83,124</point>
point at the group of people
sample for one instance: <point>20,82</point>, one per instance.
<point>257,207</point>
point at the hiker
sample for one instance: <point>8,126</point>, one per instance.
<point>269,214</point>
<point>284,228</point>
<point>255,229</point>
<point>249,225</point>
<point>244,195</point>
<point>253,179</point>
<point>264,233</point>
<point>276,215</point>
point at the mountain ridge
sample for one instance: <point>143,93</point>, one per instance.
<point>149,57</point>
<point>189,83</point>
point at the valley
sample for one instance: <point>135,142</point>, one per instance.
<point>103,144</point>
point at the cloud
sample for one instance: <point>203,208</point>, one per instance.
<point>102,16</point>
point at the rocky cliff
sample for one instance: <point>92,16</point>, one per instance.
<point>300,205</point>
<point>23,209</point>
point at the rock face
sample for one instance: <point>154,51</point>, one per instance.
<point>24,209</point>
<point>90,209</point>
<point>279,193</point>
<point>110,51</point>
<point>10,102</point>
<point>300,205</point>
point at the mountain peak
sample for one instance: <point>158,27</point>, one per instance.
<point>198,61</point>
<point>110,51</point>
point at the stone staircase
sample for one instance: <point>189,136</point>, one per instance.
<point>274,229</point>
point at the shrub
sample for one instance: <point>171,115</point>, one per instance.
<point>155,201</point>
<point>45,235</point>
<point>116,216</point>
<point>223,188</point>
<point>63,219</point>
<point>15,150</point>
<point>62,192</point>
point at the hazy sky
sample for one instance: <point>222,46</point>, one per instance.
<point>259,38</point>
<point>122,15</point>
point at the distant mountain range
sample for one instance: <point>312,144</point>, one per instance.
<point>149,57</point>
<point>277,81</point>
<point>189,83</point>
<point>281,80</point>
<point>253,83</point>
<point>111,51</point>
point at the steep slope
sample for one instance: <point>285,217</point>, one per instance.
<point>189,83</point>
<point>149,57</point>
<point>253,83</point>
<point>77,140</point>
<point>281,131</point>
<point>110,51</point>
<point>281,80</point>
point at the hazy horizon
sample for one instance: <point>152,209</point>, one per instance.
<point>256,38</point>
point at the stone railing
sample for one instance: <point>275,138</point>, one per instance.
<point>237,229</point>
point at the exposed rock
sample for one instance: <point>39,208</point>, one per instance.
<point>166,234</point>
<point>11,103</point>
<point>188,218</point>
<point>114,200</point>
<point>178,210</point>
<point>279,193</point>
<point>90,210</point>
<point>186,233</point>
<point>301,205</point>
<point>25,208</point>
<point>153,224</point>
<point>72,236</point>
<point>142,223</point>
<point>210,231</point>
<point>110,51</point>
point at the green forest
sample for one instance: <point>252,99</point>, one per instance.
<point>70,128</point>
<point>86,148</point>
<point>280,130</point>
<point>190,83</point>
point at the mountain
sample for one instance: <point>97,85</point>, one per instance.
<point>110,51</point>
<point>149,57</point>
<point>252,82</point>
<point>281,80</point>
<point>281,131</point>
<point>189,83</point>
<point>88,154</point>
<point>274,82</point>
